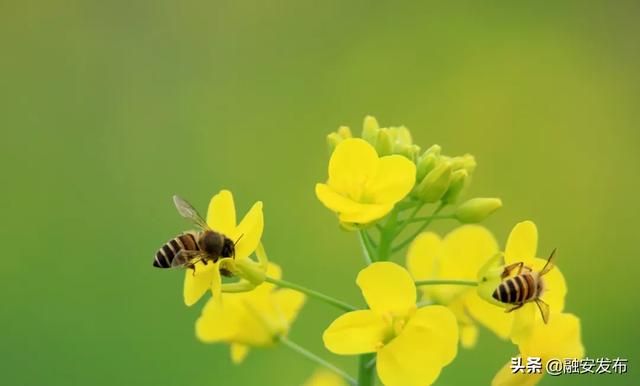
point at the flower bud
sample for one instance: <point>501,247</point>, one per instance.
<point>435,184</point>
<point>427,162</point>
<point>467,162</point>
<point>384,144</point>
<point>409,151</point>
<point>370,130</point>
<point>344,132</point>
<point>333,139</point>
<point>477,209</point>
<point>459,180</point>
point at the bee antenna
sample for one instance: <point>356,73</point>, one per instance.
<point>236,242</point>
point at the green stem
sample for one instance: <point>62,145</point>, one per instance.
<point>315,294</point>
<point>409,239</point>
<point>314,358</point>
<point>366,375</point>
<point>443,282</point>
<point>366,248</point>
<point>387,236</point>
<point>408,220</point>
<point>440,217</point>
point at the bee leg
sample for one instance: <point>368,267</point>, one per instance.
<point>204,261</point>
<point>514,308</point>
<point>509,268</point>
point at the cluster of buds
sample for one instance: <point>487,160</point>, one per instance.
<point>386,140</point>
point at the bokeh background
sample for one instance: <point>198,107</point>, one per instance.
<point>109,107</point>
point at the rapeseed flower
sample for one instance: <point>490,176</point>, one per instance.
<point>221,217</point>
<point>363,187</point>
<point>411,344</point>
<point>459,255</point>
<point>255,318</point>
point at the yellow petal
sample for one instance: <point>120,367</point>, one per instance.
<point>392,181</point>
<point>221,214</point>
<point>522,243</point>
<point>352,163</point>
<point>198,282</point>
<point>248,233</point>
<point>219,321</point>
<point>356,332</point>
<point>334,200</point>
<point>216,281</point>
<point>489,315</point>
<point>388,288</point>
<point>467,249</point>
<point>505,377</point>
<point>468,335</point>
<point>417,355</point>
<point>366,213</point>
<point>289,303</point>
<point>424,255</point>
<point>560,338</point>
<point>324,377</point>
<point>238,352</point>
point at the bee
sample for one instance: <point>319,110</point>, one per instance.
<point>185,250</point>
<point>526,286</point>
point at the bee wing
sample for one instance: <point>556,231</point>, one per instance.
<point>187,211</point>
<point>549,265</point>
<point>186,258</point>
<point>544,310</point>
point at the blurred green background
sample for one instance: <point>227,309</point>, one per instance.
<point>110,107</point>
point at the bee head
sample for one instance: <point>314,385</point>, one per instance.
<point>228,248</point>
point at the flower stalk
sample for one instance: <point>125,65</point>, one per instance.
<point>312,293</point>
<point>314,358</point>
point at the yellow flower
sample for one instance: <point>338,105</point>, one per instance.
<point>521,247</point>
<point>250,319</point>
<point>221,217</point>
<point>363,187</point>
<point>325,377</point>
<point>558,339</point>
<point>411,345</point>
<point>459,255</point>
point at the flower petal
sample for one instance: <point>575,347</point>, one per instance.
<point>356,332</point>
<point>325,377</point>
<point>248,233</point>
<point>560,338</point>
<point>352,163</point>
<point>388,288</point>
<point>366,213</point>
<point>238,352</point>
<point>393,180</point>
<point>334,200</point>
<point>506,377</point>
<point>221,214</point>
<point>197,282</point>
<point>522,243</point>
<point>489,315</point>
<point>218,322</point>
<point>417,355</point>
<point>289,303</point>
<point>424,255</point>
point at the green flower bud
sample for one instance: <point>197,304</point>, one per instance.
<point>344,132</point>
<point>477,209</point>
<point>459,179</point>
<point>409,151</point>
<point>435,184</point>
<point>333,139</point>
<point>384,145</point>
<point>467,162</point>
<point>403,136</point>
<point>427,162</point>
<point>370,130</point>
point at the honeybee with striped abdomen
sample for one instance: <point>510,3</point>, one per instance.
<point>526,286</point>
<point>188,248</point>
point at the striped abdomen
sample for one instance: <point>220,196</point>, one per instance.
<point>165,255</point>
<point>516,290</point>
